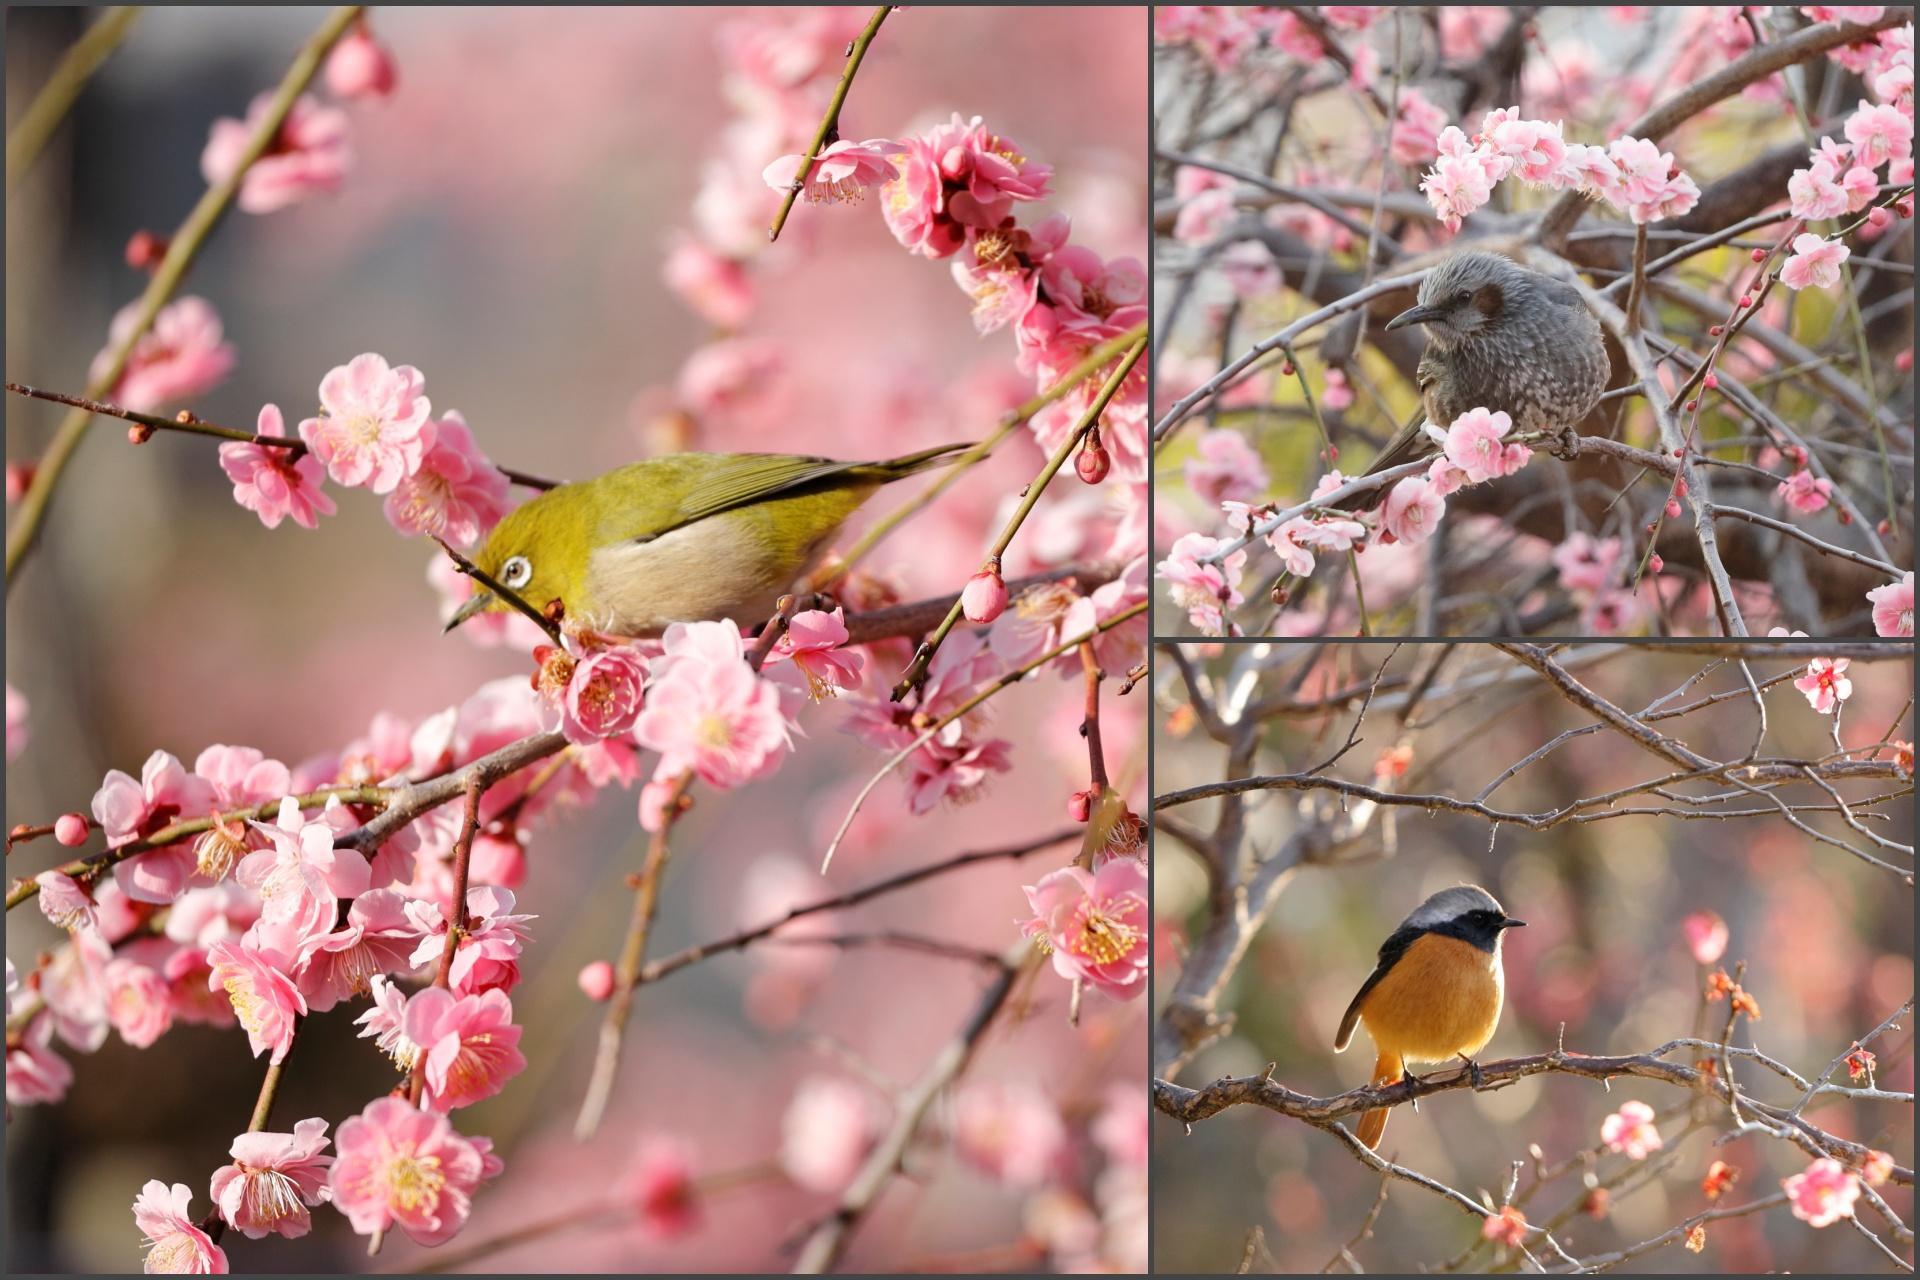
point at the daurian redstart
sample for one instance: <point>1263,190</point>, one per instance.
<point>1436,992</point>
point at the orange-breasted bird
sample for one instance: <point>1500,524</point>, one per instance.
<point>1435,993</point>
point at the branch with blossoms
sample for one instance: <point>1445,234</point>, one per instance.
<point>1764,403</point>
<point>378,881</point>
<point>1745,736</point>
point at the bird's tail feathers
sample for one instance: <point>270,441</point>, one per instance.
<point>914,463</point>
<point>1387,1068</point>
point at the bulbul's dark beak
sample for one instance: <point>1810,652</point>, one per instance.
<point>1511,923</point>
<point>1421,314</point>
<point>476,604</point>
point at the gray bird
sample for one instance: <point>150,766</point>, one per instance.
<point>1501,337</point>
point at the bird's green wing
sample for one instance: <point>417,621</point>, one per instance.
<point>635,504</point>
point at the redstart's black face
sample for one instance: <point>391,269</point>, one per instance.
<point>1466,912</point>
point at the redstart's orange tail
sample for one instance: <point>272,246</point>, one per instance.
<point>1387,1069</point>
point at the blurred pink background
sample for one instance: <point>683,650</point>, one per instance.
<point>503,230</point>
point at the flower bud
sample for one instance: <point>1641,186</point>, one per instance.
<point>70,829</point>
<point>145,250</point>
<point>1655,564</point>
<point>1286,370</point>
<point>956,163</point>
<point>1759,255</point>
<point>139,433</point>
<point>1673,508</point>
<point>1079,804</point>
<point>1692,405</point>
<point>19,480</point>
<point>984,598</point>
<point>359,67</point>
<point>1878,217</point>
<point>1716,331</point>
<point>1680,486</point>
<point>1711,382</point>
<point>1846,516</point>
<point>1094,463</point>
<point>596,980</point>
<point>1746,300</point>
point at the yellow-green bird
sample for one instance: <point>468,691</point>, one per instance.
<point>682,538</point>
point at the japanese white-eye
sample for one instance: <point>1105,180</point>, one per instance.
<point>683,538</point>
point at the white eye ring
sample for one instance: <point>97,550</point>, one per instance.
<point>516,573</point>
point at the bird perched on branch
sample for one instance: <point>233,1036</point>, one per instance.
<point>684,538</point>
<point>1499,337</point>
<point>1435,993</point>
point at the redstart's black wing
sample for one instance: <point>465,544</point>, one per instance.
<point>1390,952</point>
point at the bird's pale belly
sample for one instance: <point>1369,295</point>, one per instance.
<point>1441,998</point>
<point>700,572</point>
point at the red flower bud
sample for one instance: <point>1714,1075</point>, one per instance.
<point>1716,330</point>
<point>984,598</point>
<point>1094,463</point>
<point>139,433</point>
<point>1846,516</point>
<point>1079,805</point>
<point>145,250</point>
<point>359,67</point>
<point>1655,564</point>
<point>1746,300</point>
<point>19,480</point>
<point>1673,508</point>
<point>1286,370</point>
<point>1680,487</point>
<point>1759,255</point>
<point>1692,405</point>
<point>1711,382</point>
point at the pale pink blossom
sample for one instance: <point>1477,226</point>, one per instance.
<point>378,938</point>
<point>1675,199</point>
<point>827,1130</point>
<point>182,355</point>
<point>844,171</point>
<point>745,378</point>
<point>1893,607</point>
<point>472,1047</point>
<point>1609,611</point>
<point>64,903</point>
<point>1476,443</point>
<point>399,1166</point>
<point>174,1242</point>
<point>815,643</point>
<point>715,717</point>
<point>1204,217</point>
<point>1815,193</point>
<point>1013,1134</point>
<point>1457,185</point>
<point>718,288</point>
<point>309,156</point>
<point>1643,169</point>
<point>16,722</point>
<point>660,1187</point>
<point>1287,33</point>
<point>360,66</point>
<point>128,810</point>
<point>264,996</point>
<point>35,1073</point>
<point>1536,148</point>
<point>1805,492</point>
<point>1224,466</point>
<point>456,493</point>
<point>1416,130</point>
<point>953,771</point>
<point>488,955</point>
<point>1095,925</point>
<point>603,697</point>
<point>300,877</point>
<point>384,1022</point>
<point>1631,1131</point>
<point>1413,510</point>
<point>1220,32</point>
<point>1815,261</point>
<point>1466,31</point>
<point>1587,563</point>
<point>273,1180</point>
<point>1296,558</point>
<point>1590,171</point>
<point>1826,684</point>
<point>374,428</point>
<point>1823,1194</point>
<point>1350,17</point>
<point>273,484</point>
<point>1706,936</point>
<point>1206,591</point>
<point>1249,269</point>
<point>1337,394</point>
<point>139,1001</point>
<point>1879,133</point>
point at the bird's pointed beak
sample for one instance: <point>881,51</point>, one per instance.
<point>477,604</point>
<point>1421,314</point>
<point>1511,923</point>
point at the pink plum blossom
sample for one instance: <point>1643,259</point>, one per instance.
<point>471,1045</point>
<point>1805,492</point>
<point>374,428</point>
<point>954,177</point>
<point>815,644</point>
<point>1879,133</point>
<point>1095,925</point>
<point>456,494</point>
<point>1893,607</point>
<point>742,378</point>
<point>175,1243</point>
<point>660,1187</point>
<point>309,156</point>
<point>1587,563</point>
<point>300,877</point>
<point>1206,591</point>
<point>1476,443</point>
<point>1224,466</point>
<point>64,903</point>
<point>1815,261</point>
<point>400,1166</point>
<point>844,171</point>
<point>1826,684</point>
<point>718,288</point>
<point>360,67</point>
<point>273,484</point>
<point>1413,510</point>
<point>603,696</point>
<point>273,1180</point>
<point>35,1073</point>
<point>378,938</point>
<point>264,996</point>
<point>1815,193</point>
<point>1457,185</point>
<point>1631,1131</point>
<point>715,717</point>
<point>16,722</point>
<point>826,1132</point>
<point>1706,936</point>
<point>1013,1134</point>
<point>1204,217</point>
<point>1249,269</point>
<point>181,356</point>
<point>953,771</point>
<point>128,810</point>
<point>1416,130</point>
<point>1536,148</point>
<point>139,1003</point>
<point>489,952</point>
<point>1823,1193</point>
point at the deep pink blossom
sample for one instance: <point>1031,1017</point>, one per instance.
<point>1825,684</point>
<point>953,771</point>
<point>360,66</point>
<point>175,1243</point>
<point>1095,924</point>
<point>272,484</point>
<point>374,428</point>
<point>1823,1193</point>
<point>1893,607</point>
<point>399,1166</point>
<point>262,991</point>
<point>954,177</point>
<point>309,156</point>
<point>489,952</point>
<point>457,493</point>
<point>472,1047</point>
<point>815,644</point>
<point>273,1180</point>
<point>603,697</point>
<point>1805,492</point>
<point>660,1187</point>
<point>1706,936</point>
<point>378,938</point>
<point>182,355</point>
